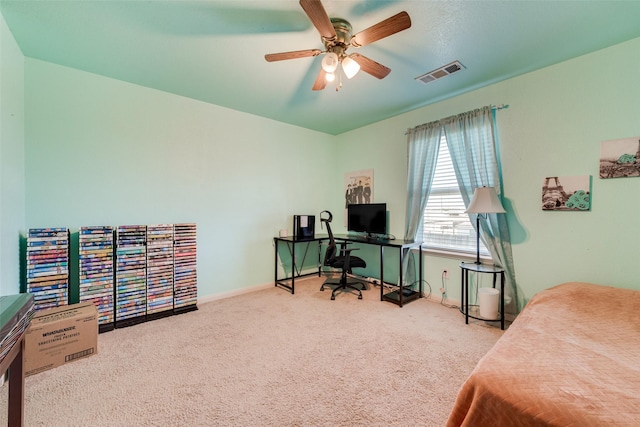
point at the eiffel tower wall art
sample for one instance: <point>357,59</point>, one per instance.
<point>620,158</point>
<point>566,193</point>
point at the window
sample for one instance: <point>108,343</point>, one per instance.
<point>446,226</point>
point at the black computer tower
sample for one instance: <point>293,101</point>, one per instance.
<point>304,227</point>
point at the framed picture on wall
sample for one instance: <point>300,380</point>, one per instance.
<point>620,158</point>
<point>566,193</point>
<point>358,189</point>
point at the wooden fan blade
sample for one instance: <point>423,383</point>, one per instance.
<point>319,18</point>
<point>321,80</point>
<point>270,57</point>
<point>370,66</point>
<point>382,29</point>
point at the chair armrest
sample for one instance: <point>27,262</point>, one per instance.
<point>344,250</point>
<point>346,253</point>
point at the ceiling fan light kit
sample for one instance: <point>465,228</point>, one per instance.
<point>336,35</point>
<point>330,62</point>
<point>350,67</point>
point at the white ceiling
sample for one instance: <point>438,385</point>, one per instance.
<point>214,50</point>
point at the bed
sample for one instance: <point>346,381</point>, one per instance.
<point>571,358</point>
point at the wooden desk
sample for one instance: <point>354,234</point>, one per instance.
<point>15,315</point>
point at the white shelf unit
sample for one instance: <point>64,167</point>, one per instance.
<point>47,266</point>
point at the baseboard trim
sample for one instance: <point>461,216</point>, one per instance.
<point>209,298</point>
<point>233,293</point>
<point>509,317</point>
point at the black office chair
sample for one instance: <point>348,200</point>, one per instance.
<point>341,260</point>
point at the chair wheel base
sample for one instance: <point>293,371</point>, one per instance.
<point>345,287</point>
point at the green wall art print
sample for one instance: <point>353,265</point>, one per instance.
<point>620,158</point>
<point>566,193</point>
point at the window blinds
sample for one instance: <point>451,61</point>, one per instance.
<point>446,225</point>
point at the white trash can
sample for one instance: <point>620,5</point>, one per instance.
<point>488,301</point>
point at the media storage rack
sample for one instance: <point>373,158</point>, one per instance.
<point>131,286</point>
<point>47,266</point>
<point>185,271</point>
<point>159,271</point>
<point>96,272</point>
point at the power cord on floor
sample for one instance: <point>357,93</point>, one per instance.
<point>424,294</point>
<point>443,291</point>
<point>429,285</point>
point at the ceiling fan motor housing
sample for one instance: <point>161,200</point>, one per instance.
<point>343,37</point>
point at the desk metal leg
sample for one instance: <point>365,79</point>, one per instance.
<point>275,263</point>
<point>381,272</point>
<point>502,300</point>
<point>292,249</point>
<point>462,291</point>
<point>400,279</point>
<point>466,296</point>
<point>289,282</point>
<point>420,289</point>
<point>293,267</point>
<point>319,258</point>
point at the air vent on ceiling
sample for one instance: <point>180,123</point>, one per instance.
<point>438,73</point>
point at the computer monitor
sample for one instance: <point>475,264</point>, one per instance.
<point>369,218</point>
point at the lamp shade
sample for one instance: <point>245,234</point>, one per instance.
<point>485,200</point>
<point>350,67</point>
<point>330,62</point>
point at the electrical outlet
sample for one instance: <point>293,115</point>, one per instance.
<point>445,274</point>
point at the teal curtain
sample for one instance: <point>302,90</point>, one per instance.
<point>423,144</point>
<point>472,144</point>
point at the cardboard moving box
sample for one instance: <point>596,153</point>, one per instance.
<point>60,335</point>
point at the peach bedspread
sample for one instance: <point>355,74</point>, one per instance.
<point>571,358</point>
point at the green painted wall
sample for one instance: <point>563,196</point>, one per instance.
<point>12,172</point>
<point>103,152</point>
<point>100,151</point>
<point>555,122</point>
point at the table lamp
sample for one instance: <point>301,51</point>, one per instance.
<point>484,201</point>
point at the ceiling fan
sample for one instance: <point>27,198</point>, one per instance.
<point>336,34</point>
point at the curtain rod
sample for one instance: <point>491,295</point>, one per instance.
<point>493,107</point>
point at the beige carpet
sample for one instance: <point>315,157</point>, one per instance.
<point>269,358</point>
